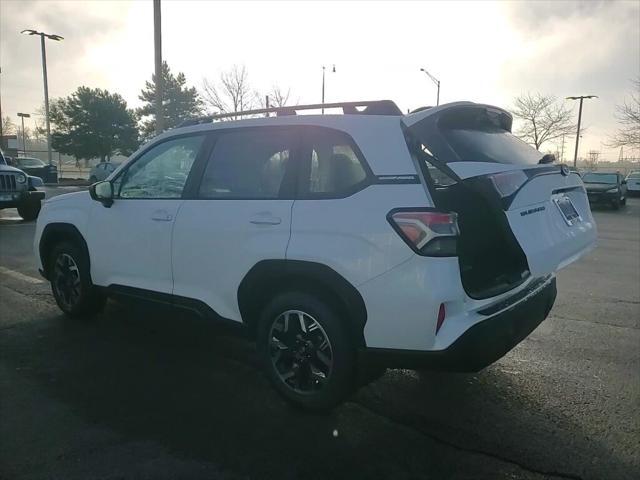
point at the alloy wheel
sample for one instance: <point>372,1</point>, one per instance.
<point>66,280</point>
<point>300,351</point>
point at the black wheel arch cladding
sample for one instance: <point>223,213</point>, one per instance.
<point>270,277</point>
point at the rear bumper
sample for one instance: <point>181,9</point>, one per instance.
<point>19,198</point>
<point>478,347</point>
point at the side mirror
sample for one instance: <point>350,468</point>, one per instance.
<point>102,192</point>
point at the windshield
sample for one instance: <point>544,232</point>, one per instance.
<point>30,162</point>
<point>600,178</point>
<point>634,176</point>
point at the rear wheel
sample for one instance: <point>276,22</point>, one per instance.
<point>29,210</point>
<point>70,281</point>
<point>306,351</point>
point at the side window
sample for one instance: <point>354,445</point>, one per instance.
<point>335,167</point>
<point>247,164</point>
<point>162,171</point>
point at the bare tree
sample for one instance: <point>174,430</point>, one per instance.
<point>232,93</point>
<point>8,127</point>
<point>591,162</point>
<point>278,97</point>
<point>542,119</point>
<point>628,116</point>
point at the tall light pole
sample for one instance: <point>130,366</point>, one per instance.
<point>436,81</point>
<point>157,44</point>
<point>24,141</point>
<point>581,98</point>
<point>57,38</point>
<point>323,69</point>
<point>1,132</point>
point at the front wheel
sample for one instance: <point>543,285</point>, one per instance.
<point>29,210</point>
<point>70,282</point>
<point>306,351</point>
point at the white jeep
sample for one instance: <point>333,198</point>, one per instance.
<point>342,242</point>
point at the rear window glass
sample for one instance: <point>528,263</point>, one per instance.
<point>490,145</point>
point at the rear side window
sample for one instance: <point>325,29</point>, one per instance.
<point>333,167</point>
<point>247,164</point>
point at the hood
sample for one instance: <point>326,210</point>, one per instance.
<point>69,197</point>
<point>7,168</point>
<point>599,187</point>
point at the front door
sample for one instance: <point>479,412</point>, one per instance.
<point>130,241</point>
<point>241,214</point>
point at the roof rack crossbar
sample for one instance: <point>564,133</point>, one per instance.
<point>389,107</point>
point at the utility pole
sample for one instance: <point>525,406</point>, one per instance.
<point>157,44</point>
<point>323,69</point>
<point>24,141</point>
<point>1,132</point>
<point>57,38</point>
<point>436,81</point>
<point>562,151</point>
<point>581,98</point>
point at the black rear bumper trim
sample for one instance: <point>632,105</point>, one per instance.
<point>480,346</point>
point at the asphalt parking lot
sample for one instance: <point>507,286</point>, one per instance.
<point>143,393</point>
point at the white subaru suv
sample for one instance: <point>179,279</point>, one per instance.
<point>341,242</point>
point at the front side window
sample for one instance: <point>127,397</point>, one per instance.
<point>335,168</point>
<point>162,171</point>
<point>249,164</point>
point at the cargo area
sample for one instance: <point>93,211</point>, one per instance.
<point>491,260</point>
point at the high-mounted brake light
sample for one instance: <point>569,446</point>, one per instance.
<point>508,182</point>
<point>427,232</point>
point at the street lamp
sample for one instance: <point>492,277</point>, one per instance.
<point>436,81</point>
<point>581,98</point>
<point>333,70</point>
<point>24,142</point>
<point>57,38</point>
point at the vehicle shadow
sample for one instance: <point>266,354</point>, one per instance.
<point>499,413</point>
<point>166,377</point>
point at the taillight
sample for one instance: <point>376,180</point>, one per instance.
<point>441,315</point>
<point>507,183</point>
<point>427,232</point>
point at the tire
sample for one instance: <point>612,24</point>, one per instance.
<point>313,369</point>
<point>29,210</point>
<point>616,204</point>
<point>74,293</point>
<point>92,180</point>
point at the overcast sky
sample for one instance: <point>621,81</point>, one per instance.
<point>484,52</point>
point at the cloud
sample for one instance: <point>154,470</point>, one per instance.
<point>577,48</point>
<point>82,24</point>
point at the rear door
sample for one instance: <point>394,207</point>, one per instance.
<point>545,204</point>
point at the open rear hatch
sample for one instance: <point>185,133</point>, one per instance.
<point>519,213</point>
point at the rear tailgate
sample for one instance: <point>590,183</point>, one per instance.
<point>545,205</point>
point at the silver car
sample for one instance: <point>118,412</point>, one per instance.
<point>101,171</point>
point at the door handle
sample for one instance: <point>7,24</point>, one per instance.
<point>161,216</point>
<point>265,219</point>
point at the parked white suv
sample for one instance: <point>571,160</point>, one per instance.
<point>339,241</point>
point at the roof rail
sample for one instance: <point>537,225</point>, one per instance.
<point>371,107</point>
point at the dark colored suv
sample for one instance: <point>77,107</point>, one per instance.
<point>18,190</point>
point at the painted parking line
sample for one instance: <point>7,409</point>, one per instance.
<point>20,276</point>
